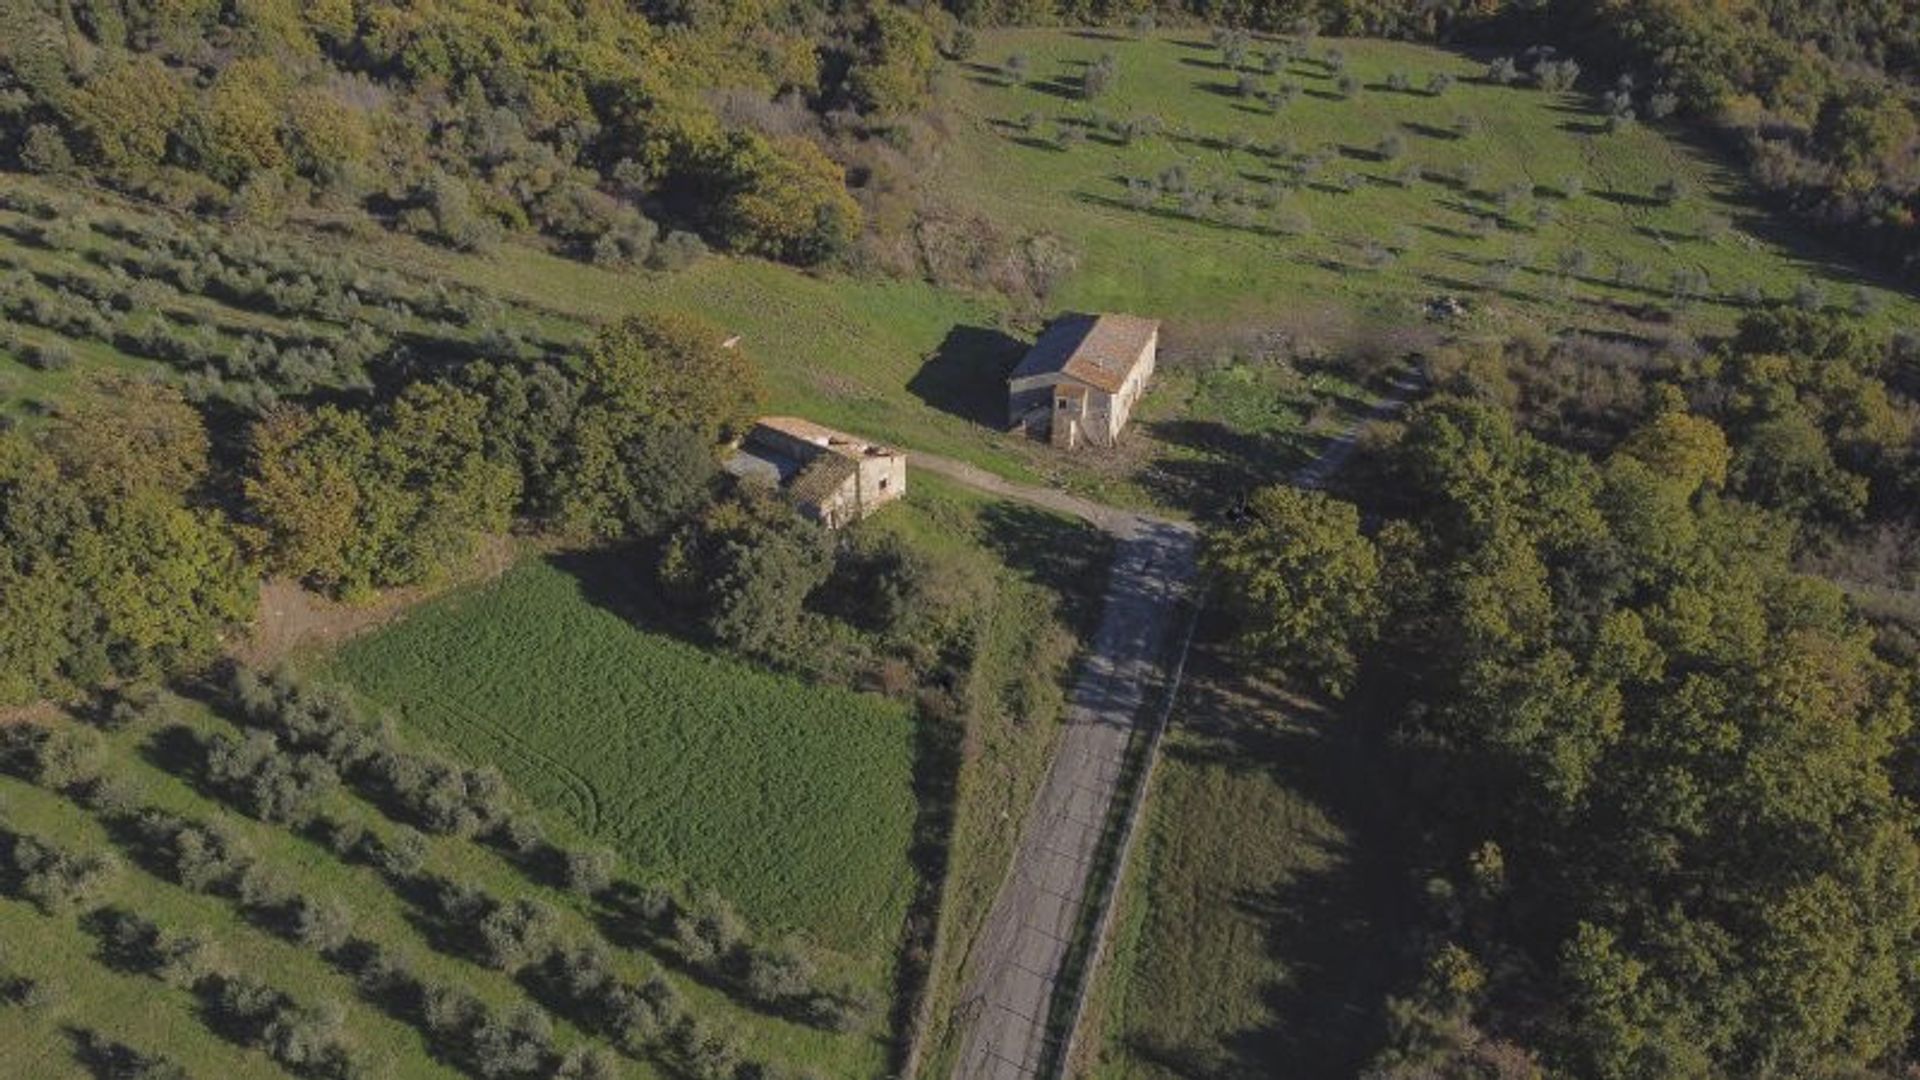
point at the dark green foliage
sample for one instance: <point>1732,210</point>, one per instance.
<point>352,502</point>
<point>1299,583</point>
<point>1609,682</point>
<point>53,880</point>
<point>893,63</point>
<point>119,1061</point>
<point>307,1041</point>
<point>132,943</point>
<point>106,569</point>
<point>57,758</point>
<point>266,781</point>
<point>204,858</point>
<point>323,925</point>
<point>745,568</point>
<point>590,871</point>
<point>516,934</point>
<point>479,119</point>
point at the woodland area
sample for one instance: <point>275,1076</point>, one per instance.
<point>1630,631</point>
<point>1655,767</point>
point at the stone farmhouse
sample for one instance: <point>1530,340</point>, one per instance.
<point>830,476</point>
<point>1079,382</point>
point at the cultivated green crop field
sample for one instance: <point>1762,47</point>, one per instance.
<point>1308,253</point>
<point>793,801</point>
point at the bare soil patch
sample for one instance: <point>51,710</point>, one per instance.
<point>294,618</point>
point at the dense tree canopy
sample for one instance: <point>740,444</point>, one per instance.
<point>109,569</point>
<point>353,503</point>
<point>456,119</point>
<point>1678,748</point>
<point>1299,581</point>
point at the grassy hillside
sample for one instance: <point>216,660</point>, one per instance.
<point>1257,232</point>
<point>1285,242</point>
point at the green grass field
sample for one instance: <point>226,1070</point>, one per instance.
<point>1249,931</point>
<point>795,802</point>
<point>1306,260</point>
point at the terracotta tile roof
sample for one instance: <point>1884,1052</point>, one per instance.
<point>819,435</point>
<point>820,478</point>
<point>1099,350</point>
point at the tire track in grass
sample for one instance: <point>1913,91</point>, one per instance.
<point>577,786</point>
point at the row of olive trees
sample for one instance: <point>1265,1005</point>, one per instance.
<point>325,728</point>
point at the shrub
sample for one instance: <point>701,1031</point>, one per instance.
<point>401,855</point>
<point>57,881</point>
<point>1439,83</point>
<point>588,872</point>
<point>321,925</point>
<point>517,1046</point>
<point>107,1057</point>
<point>44,150</point>
<point>264,780</point>
<point>1099,76</point>
<point>311,1041</point>
<point>1390,147</point>
<point>517,934</point>
<point>1556,75</point>
<point>60,759</point>
<point>677,251</point>
<point>779,975</point>
<point>1347,85</point>
<point>49,357</point>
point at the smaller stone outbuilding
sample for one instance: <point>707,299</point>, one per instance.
<point>1079,382</point>
<point>830,476</point>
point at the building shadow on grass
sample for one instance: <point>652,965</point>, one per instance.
<point>967,375</point>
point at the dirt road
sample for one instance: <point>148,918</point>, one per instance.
<point>1016,963</point>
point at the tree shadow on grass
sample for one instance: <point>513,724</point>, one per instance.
<point>1431,131</point>
<point>1211,466</point>
<point>967,375</point>
<point>1330,923</point>
<point>1061,555</point>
